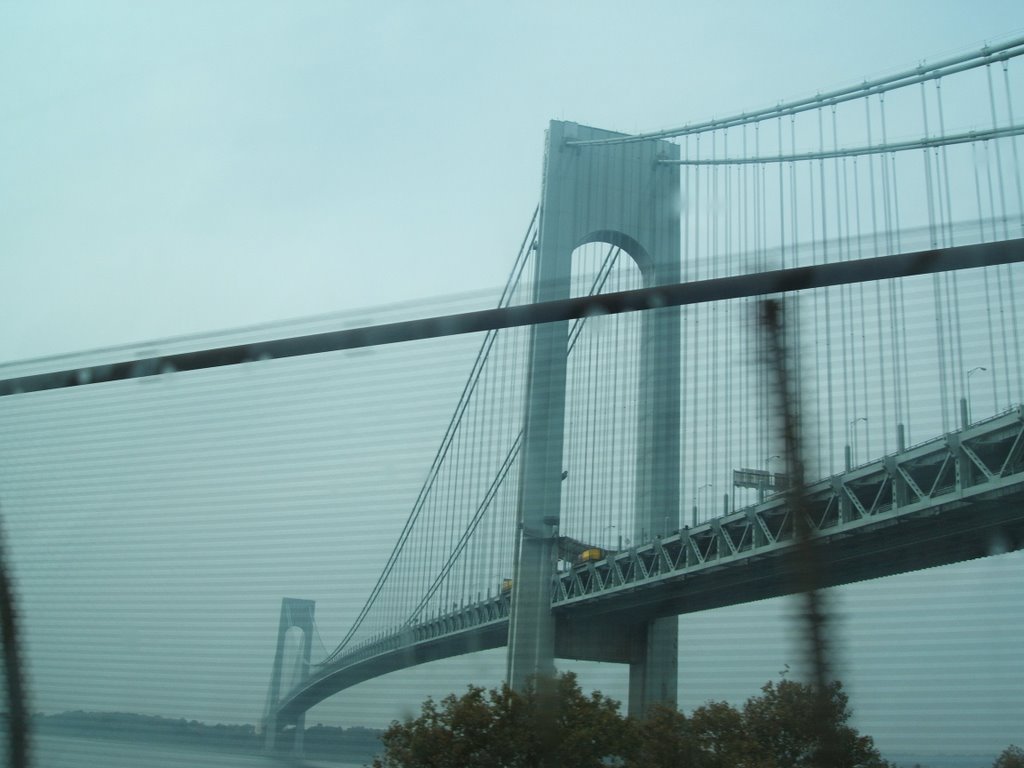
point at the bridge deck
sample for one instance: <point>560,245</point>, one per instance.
<point>956,497</point>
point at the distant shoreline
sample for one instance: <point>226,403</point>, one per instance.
<point>353,745</point>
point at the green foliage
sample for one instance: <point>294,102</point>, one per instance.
<point>791,725</point>
<point>788,726</point>
<point>723,738</point>
<point>553,723</point>
<point>664,738</point>
<point>1011,757</point>
<point>550,723</point>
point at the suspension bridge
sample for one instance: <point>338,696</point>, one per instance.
<point>614,460</point>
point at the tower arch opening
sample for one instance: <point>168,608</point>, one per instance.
<point>598,490</point>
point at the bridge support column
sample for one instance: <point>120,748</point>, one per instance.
<point>531,645</point>
<point>621,195</point>
<point>294,613</point>
<point>654,677</point>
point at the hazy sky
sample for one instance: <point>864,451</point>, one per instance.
<point>173,168</point>
<point>177,167</point>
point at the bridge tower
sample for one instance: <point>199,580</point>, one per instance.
<point>294,613</point>
<point>618,194</point>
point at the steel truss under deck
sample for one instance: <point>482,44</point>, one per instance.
<point>948,488</point>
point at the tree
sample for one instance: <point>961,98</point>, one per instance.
<point>788,726</point>
<point>791,726</point>
<point>1011,757</point>
<point>663,739</point>
<point>551,723</point>
<point>723,737</point>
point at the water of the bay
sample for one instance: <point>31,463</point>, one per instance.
<point>50,751</point>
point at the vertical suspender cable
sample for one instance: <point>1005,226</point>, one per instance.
<point>761,435</point>
<point>574,448</point>
<point>945,164</point>
<point>825,453</point>
<point>762,221</point>
<point>752,409</point>
<point>615,408</point>
<point>610,355</point>
<point>684,359</point>
<point>472,485</point>
<point>591,437</point>
<point>708,322</point>
<point>731,444</point>
<point>871,183</point>
<point>898,299</point>
<point>782,207</point>
<point>790,328</point>
<point>713,411</point>
<point>1007,281</point>
<point>1009,270</point>
<point>937,282</point>
<point>451,509</point>
<point>999,155</point>
<point>846,302</point>
<point>829,363</point>
<point>481,470</point>
<point>933,238</point>
<point>698,310</point>
<point>454,501</point>
<point>794,261</point>
<point>620,425</point>
<point>954,279</point>
<point>988,290</point>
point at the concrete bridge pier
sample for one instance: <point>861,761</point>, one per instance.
<point>650,649</point>
<point>654,676</point>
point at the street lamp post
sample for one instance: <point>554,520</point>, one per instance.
<point>967,405</point>
<point>852,441</point>
<point>695,495</point>
<point>608,528</point>
<point>761,492</point>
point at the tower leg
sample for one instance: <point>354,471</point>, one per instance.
<point>531,639</point>
<point>300,735</point>
<point>294,613</point>
<point>269,733</point>
<point>653,677</point>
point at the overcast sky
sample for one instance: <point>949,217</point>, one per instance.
<point>190,167</point>
<point>178,167</point>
